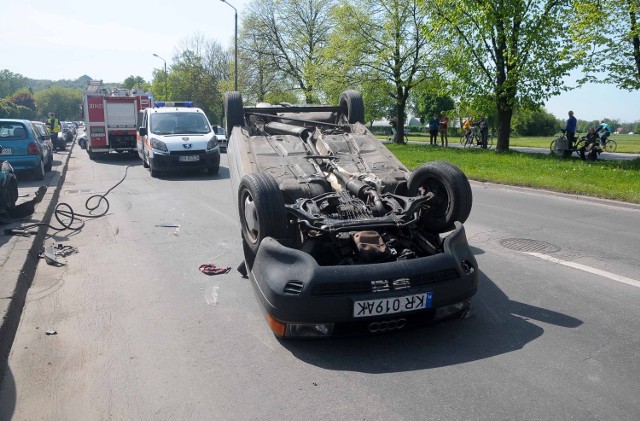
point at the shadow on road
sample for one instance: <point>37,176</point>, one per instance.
<point>498,326</point>
<point>8,396</point>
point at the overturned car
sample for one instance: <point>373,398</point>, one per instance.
<point>339,237</point>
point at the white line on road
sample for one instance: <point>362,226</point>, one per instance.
<point>589,269</point>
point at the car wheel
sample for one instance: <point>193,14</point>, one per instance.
<point>38,172</point>
<point>49,163</point>
<point>233,111</point>
<point>452,195</point>
<point>262,211</point>
<point>352,101</point>
<point>145,163</point>
<point>9,196</point>
<point>213,170</point>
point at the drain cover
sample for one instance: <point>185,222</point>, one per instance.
<point>529,246</point>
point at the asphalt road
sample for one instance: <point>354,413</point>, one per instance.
<point>142,334</point>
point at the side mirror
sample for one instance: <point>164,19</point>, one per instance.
<point>142,131</point>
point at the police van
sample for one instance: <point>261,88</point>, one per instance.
<point>176,135</point>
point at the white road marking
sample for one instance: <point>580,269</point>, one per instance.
<point>589,269</point>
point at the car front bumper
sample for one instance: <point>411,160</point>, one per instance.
<point>167,162</point>
<point>293,288</point>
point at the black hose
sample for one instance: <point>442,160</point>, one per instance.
<point>72,219</point>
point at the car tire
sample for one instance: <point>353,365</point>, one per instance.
<point>352,101</point>
<point>452,195</point>
<point>38,172</point>
<point>233,112</point>
<point>9,196</point>
<point>262,212</point>
<point>49,163</point>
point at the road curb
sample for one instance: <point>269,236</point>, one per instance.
<point>25,266</point>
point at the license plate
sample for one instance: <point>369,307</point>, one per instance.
<point>189,158</point>
<point>382,306</point>
<point>6,151</point>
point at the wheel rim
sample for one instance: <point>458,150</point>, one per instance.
<point>439,205</point>
<point>250,218</point>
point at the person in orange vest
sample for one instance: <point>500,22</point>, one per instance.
<point>54,127</point>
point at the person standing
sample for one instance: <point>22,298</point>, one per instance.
<point>570,129</point>
<point>434,124</point>
<point>444,137</point>
<point>54,127</point>
<point>483,125</point>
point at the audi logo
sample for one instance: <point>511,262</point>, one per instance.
<point>387,325</point>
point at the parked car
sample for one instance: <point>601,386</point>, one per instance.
<point>8,189</point>
<point>339,237</point>
<point>23,147</point>
<point>44,132</point>
<point>221,135</point>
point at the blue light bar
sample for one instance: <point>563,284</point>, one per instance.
<point>160,104</point>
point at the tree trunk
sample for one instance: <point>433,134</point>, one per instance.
<point>505,113</point>
<point>401,105</point>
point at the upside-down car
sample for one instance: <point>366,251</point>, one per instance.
<point>339,237</point>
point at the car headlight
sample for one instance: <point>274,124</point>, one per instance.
<point>212,143</point>
<point>159,145</point>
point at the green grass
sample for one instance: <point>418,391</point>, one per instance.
<point>619,180</point>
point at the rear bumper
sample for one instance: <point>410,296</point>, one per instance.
<point>292,287</point>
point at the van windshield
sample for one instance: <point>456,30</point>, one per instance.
<point>179,123</point>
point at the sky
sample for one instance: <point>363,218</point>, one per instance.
<point>114,39</point>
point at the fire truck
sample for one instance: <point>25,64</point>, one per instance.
<point>111,118</point>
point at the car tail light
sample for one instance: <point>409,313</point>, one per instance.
<point>32,149</point>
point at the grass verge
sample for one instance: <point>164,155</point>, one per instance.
<point>618,180</point>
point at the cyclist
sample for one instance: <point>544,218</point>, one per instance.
<point>591,146</point>
<point>606,131</point>
<point>466,126</point>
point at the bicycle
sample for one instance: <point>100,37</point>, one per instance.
<point>473,139</point>
<point>566,153</point>
<point>608,145</point>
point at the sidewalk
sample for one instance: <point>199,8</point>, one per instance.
<point>19,256</point>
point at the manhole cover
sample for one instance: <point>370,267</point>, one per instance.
<point>529,246</point>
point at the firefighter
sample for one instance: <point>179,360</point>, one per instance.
<point>54,127</point>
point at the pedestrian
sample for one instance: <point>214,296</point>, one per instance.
<point>570,129</point>
<point>54,127</point>
<point>483,125</point>
<point>444,137</point>
<point>434,124</point>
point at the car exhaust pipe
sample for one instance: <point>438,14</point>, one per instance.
<point>275,127</point>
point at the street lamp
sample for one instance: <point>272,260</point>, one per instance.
<point>235,79</point>
<point>165,75</point>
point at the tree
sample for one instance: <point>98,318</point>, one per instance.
<point>200,68</point>
<point>65,102</point>
<point>137,82</point>
<point>508,50</point>
<point>293,32</point>
<point>11,82</point>
<point>24,98</point>
<point>384,46</point>
<point>611,28</point>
